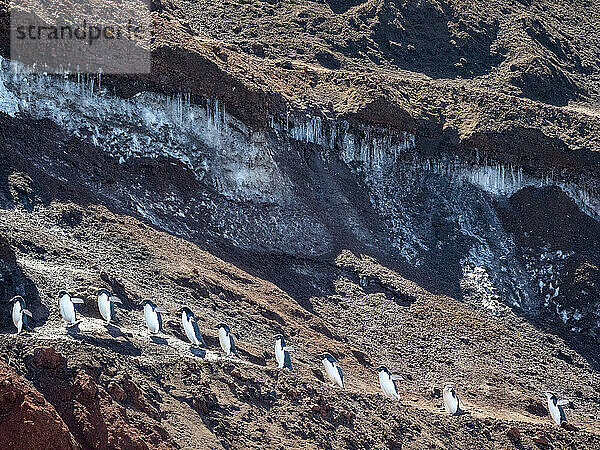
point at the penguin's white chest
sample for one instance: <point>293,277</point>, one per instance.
<point>17,316</point>
<point>554,412</point>
<point>279,354</point>
<point>450,403</point>
<point>188,327</point>
<point>67,310</point>
<point>332,373</point>
<point>225,341</point>
<point>387,386</point>
<point>151,317</point>
<point>104,307</point>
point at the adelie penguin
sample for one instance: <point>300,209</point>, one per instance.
<point>152,315</point>
<point>387,381</point>
<point>226,340</point>
<point>333,370</point>
<point>282,353</point>
<point>106,304</point>
<point>66,304</point>
<point>20,313</point>
<point>190,326</point>
<point>451,402</point>
<point>556,408</point>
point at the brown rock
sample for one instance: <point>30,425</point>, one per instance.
<point>293,394</point>
<point>117,392</point>
<point>86,385</point>
<point>541,441</point>
<point>514,434</point>
<point>48,358</point>
<point>567,426</point>
<point>27,420</point>
<point>345,418</point>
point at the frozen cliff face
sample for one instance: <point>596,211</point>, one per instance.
<point>205,138</point>
<point>241,191</point>
<point>307,187</point>
<point>444,219</point>
<point>502,180</point>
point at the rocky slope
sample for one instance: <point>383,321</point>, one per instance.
<point>404,183</point>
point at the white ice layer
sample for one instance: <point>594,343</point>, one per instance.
<point>502,180</point>
<point>149,125</point>
<point>367,144</point>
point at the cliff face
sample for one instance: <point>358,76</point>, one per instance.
<point>412,184</point>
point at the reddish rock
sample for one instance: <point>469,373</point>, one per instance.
<point>293,394</point>
<point>27,420</point>
<point>136,397</point>
<point>318,374</point>
<point>92,417</point>
<point>541,441</point>
<point>514,434</point>
<point>48,358</point>
<point>86,386</point>
<point>568,426</point>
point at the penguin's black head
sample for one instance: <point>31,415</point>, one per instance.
<point>17,298</point>
<point>382,369</point>
<point>185,310</point>
<point>103,291</point>
<point>278,336</point>
<point>61,294</point>
<point>327,356</point>
<point>222,325</point>
<point>147,302</point>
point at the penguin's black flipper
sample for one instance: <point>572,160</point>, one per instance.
<point>287,361</point>
<point>160,322</point>
<point>197,333</point>
<point>339,369</point>
<point>233,349</point>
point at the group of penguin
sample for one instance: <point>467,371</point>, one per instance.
<point>153,318</point>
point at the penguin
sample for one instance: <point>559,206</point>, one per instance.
<point>67,309</point>
<point>555,406</point>
<point>20,313</point>
<point>152,315</point>
<point>387,381</point>
<point>190,326</point>
<point>333,369</point>
<point>451,402</point>
<point>106,304</point>
<point>282,353</point>
<point>226,340</point>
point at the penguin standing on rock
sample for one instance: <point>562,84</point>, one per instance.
<point>67,309</point>
<point>190,326</point>
<point>20,313</point>
<point>556,408</point>
<point>282,353</point>
<point>387,381</point>
<point>106,304</point>
<point>333,370</point>
<point>451,402</point>
<point>226,340</point>
<point>152,315</point>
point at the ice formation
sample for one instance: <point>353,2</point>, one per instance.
<point>368,144</point>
